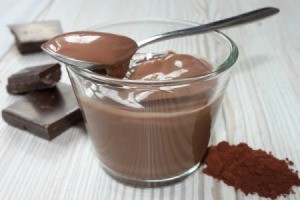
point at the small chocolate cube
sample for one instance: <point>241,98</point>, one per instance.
<point>33,78</point>
<point>30,36</point>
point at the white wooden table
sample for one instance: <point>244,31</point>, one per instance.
<point>261,107</point>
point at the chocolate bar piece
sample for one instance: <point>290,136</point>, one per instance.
<point>45,113</point>
<point>30,36</point>
<point>33,78</point>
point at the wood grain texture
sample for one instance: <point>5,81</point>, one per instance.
<point>261,107</point>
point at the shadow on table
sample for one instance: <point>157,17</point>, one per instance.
<point>252,62</point>
<point>72,135</point>
<point>183,188</point>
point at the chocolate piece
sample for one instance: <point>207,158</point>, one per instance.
<point>30,36</point>
<point>45,113</point>
<point>32,78</point>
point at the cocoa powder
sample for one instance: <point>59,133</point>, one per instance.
<point>251,171</point>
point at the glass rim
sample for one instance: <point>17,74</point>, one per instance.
<point>226,65</point>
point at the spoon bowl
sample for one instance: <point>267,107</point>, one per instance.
<point>69,60</point>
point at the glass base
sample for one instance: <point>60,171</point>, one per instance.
<point>142,183</point>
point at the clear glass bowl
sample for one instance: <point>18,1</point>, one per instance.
<point>153,133</point>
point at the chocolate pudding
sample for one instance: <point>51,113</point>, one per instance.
<point>152,133</point>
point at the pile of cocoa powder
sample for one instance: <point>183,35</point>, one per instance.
<point>251,171</point>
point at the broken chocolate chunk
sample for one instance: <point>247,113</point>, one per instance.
<point>33,78</point>
<point>30,36</point>
<point>45,113</point>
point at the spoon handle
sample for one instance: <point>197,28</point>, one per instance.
<point>224,23</point>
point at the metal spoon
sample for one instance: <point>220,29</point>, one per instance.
<point>221,24</point>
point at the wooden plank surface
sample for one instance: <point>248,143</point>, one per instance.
<point>261,107</point>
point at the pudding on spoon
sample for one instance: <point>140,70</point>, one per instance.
<point>111,52</point>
